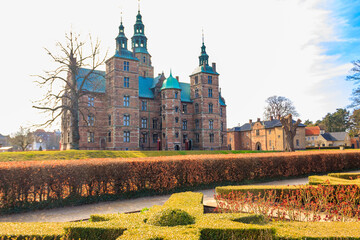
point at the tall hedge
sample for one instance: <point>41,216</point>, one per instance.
<point>42,183</point>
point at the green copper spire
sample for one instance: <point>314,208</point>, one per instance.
<point>121,39</point>
<point>203,58</point>
<point>139,40</point>
<point>170,83</point>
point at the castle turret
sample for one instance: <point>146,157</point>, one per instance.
<point>139,47</point>
<point>171,117</point>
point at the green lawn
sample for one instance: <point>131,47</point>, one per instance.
<point>84,154</point>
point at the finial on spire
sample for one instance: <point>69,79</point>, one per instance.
<point>139,6</point>
<point>170,72</point>
<point>121,17</point>
<point>202,35</point>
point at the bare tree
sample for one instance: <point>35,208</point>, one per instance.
<point>290,131</point>
<point>22,139</point>
<point>354,76</point>
<point>278,106</point>
<point>75,85</point>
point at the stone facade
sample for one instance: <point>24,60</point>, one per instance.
<point>263,135</point>
<point>136,111</point>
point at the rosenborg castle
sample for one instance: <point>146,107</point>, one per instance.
<point>130,109</point>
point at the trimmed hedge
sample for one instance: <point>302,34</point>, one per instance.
<point>40,184</point>
<point>206,227</point>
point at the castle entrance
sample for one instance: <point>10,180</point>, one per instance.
<point>177,147</point>
<point>258,146</point>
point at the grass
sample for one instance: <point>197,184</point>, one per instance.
<point>86,154</point>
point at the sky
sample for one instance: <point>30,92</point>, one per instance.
<point>299,49</point>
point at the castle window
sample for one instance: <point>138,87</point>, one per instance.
<point>126,82</point>
<point>163,107</point>
<point>90,137</point>
<point>144,137</point>
<point>68,137</point>
<point>197,123</point>
<point>144,59</point>
<point>176,109</point>
<point>109,119</point>
<point>126,101</point>
<point>222,126</point>
<point>184,138</point>
<point>269,131</point>
<point>222,139</point>
<point>210,92</point>
<point>196,108</point>
<point>176,135</point>
<point>196,80</point>
<point>155,138</point>
<point>176,95</point>
<point>126,66</point>
<point>184,126</point>
<point>184,108</point>
<point>210,108</point>
<point>176,120</point>
<point>211,136</point>
<point>211,124</point>
<point>269,143</point>
<point>196,93</point>
<point>109,136</point>
<point>197,137</point>
<point>221,112</point>
<point>126,120</point>
<point>144,122</point>
<point>257,132</point>
<point>209,79</point>
<point>90,120</point>
<point>144,74</point>
<point>297,142</point>
<point>90,101</point>
<point>126,136</point>
<point>154,123</point>
<point>143,105</point>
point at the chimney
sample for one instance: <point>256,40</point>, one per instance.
<point>250,121</point>
<point>258,119</point>
<point>214,67</point>
<point>177,78</point>
<point>271,118</point>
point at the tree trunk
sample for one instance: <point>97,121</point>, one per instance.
<point>290,131</point>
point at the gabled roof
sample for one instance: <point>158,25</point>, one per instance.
<point>185,92</point>
<point>95,81</point>
<point>334,136</point>
<point>312,131</point>
<point>145,87</point>
<point>268,124</point>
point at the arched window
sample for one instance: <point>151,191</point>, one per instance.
<point>196,93</point>
<point>210,108</point>
<point>196,108</point>
<point>176,95</point>
<point>211,124</point>
<point>197,123</point>
<point>210,92</point>
<point>109,136</point>
<point>184,126</point>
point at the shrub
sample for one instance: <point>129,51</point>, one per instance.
<point>171,217</point>
<point>40,184</point>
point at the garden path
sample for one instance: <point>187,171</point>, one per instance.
<point>74,213</point>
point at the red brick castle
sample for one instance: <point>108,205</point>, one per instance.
<point>130,109</point>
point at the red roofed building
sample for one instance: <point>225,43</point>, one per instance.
<point>312,135</point>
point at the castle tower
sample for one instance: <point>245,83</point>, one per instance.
<point>139,47</point>
<point>204,85</point>
<point>123,96</point>
<point>170,111</point>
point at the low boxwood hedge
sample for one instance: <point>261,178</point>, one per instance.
<point>212,226</point>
